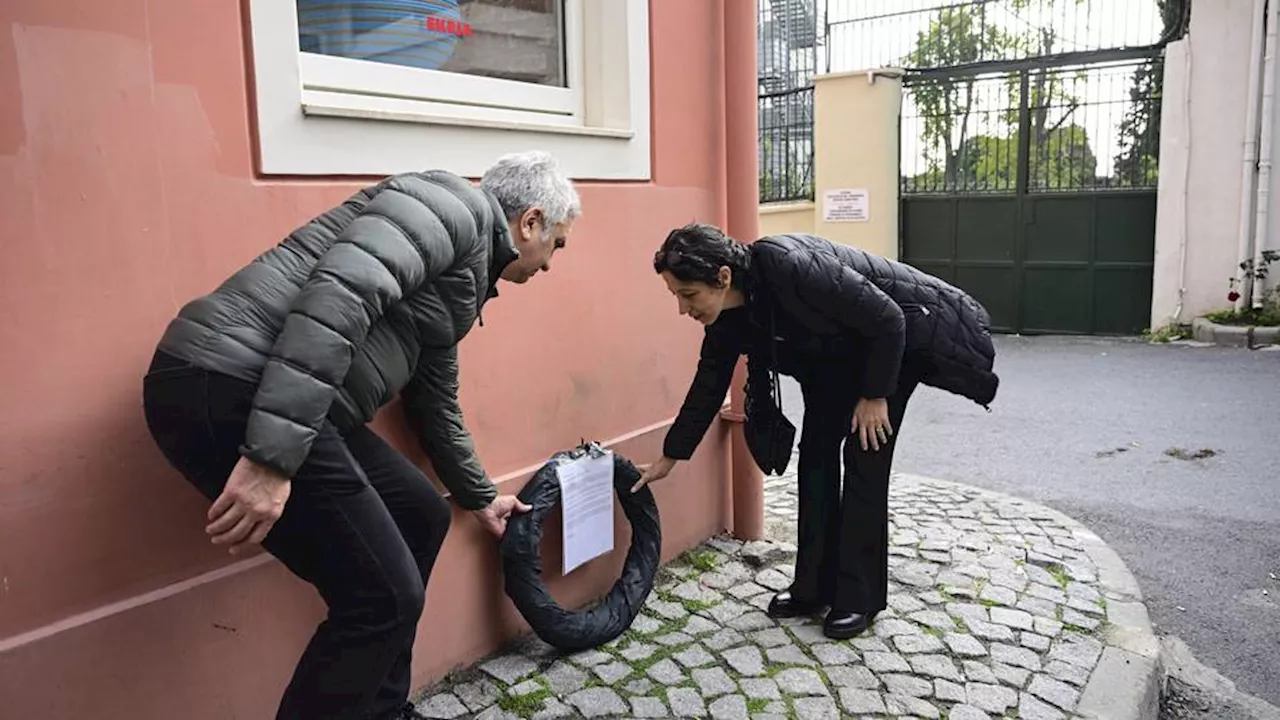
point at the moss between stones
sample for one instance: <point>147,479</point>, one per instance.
<point>670,626</point>
<point>692,607</point>
<point>524,705</point>
<point>701,559</point>
<point>661,653</point>
<point>1059,573</point>
<point>774,668</point>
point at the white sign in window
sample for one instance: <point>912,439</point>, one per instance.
<point>846,205</point>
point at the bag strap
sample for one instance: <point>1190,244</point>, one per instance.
<point>773,347</point>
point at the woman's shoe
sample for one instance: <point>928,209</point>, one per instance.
<point>784,605</point>
<point>840,625</point>
<point>409,712</point>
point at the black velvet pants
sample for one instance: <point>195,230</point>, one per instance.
<point>842,557</point>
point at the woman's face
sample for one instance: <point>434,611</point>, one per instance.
<point>699,300</point>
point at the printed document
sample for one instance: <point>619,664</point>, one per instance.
<point>586,501</point>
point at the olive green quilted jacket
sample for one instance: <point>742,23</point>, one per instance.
<point>363,302</point>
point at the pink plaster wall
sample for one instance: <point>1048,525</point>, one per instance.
<point>126,188</point>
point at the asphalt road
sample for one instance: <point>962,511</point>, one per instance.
<point>1091,427</point>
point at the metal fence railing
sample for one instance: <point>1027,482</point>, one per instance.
<point>786,145</point>
<point>1033,130</point>
<point>1072,88</point>
<point>786,44</point>
<point>927,34</point>
<point>787,61</point>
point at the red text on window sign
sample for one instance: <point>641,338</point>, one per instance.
<point>446,25</point>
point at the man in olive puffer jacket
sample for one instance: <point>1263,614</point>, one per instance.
<point>260,394</point>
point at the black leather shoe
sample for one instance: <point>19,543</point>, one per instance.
<point>409,712</point>
<point>783,605</point>
<point>841,625</point>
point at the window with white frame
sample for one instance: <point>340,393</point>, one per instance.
<point>373,87</point>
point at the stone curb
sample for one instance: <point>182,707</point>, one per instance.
<point>1241,336</point>
<point>1129,678</point>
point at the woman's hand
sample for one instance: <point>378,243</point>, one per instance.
<point>248,507</point>
<point>655,471</point>
<point>871,422</point>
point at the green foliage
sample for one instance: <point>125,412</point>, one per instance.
<point>961,159</point>
<point>987,163</point>
<point>702,559</point>
<point>1250,316</point>
<point>1168,333</point>
<point>1064,160</point>
<point>1137,163</point>
<point>1252,272</point>
<point>779,184</point>
<point>959,36</point>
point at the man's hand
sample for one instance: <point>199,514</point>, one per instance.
<point>655,472</point>
<point>494,517</point>
<point>871,422</point>
<point>248,507</point>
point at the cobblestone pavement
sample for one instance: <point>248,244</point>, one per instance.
<point>995,611</point>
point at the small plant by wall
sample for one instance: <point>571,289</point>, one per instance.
<point>1168,333</point>
<point>1251,272</point>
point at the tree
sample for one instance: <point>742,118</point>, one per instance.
<point>960,36</point>
<point>1137,163</point>
<point>1064,160</point>
<point>964,35</point>
<point>1047,91</point>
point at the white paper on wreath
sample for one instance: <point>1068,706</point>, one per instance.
<point>586,503</point>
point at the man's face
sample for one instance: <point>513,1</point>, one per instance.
<point>535,244</point>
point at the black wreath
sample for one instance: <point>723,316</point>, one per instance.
<point>522,563</point>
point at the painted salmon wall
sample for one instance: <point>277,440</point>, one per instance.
<point>127,187</point>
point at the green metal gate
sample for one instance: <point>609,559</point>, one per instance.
<point>1014,204</point>
<point>1030,142</point>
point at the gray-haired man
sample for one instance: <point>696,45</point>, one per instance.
<point>259,394</point>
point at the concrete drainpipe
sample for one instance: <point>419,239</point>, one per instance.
<point>1262,205</point>
<point>1249,171</point>
<point>742,192</point>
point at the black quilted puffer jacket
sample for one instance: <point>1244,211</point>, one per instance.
<point>826,301</point>
<point>363,302</point>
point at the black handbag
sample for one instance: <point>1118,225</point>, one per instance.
<point>770,435</point>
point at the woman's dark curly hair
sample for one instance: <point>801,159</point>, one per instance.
<point>696,252</point>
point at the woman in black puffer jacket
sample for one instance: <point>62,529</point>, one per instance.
<point>859,333</point>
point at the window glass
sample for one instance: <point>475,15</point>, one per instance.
<point>521,40</point>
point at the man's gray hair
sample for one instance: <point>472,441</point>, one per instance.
<point>533,179</point>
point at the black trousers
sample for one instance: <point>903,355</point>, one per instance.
<point>842,557</point>
<point>362,524</point>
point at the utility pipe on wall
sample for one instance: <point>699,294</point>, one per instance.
<point>1261,226</point>
<point>1249,167</point>
<point>1184,227</point>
